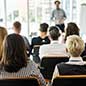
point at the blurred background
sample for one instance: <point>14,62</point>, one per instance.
<point>33,12</point>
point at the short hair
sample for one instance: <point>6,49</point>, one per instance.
<point>3,34</point>
<point>54,32</point>
<point>75,45</point>
<point>44,27</point>
<point>17,25</point>
<point>72,29</point>
<point>57,1</point>
<point>14,53</point>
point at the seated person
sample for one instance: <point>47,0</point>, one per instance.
<point>14,62</point>
<point>17,30</point>
<point>40,40</point>
<point>73,29</point>
<point>55,48</point>
<point>75,65</point>
<point>3,34</point>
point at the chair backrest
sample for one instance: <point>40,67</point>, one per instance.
<point>48,65</point>
<point>70,80</point>
<point>36,57</point>
<point>84,58</point>
<point>36,49</point>
<point>19,82</point>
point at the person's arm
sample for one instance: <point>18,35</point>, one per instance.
<point>64,15</point>
<point>31,46</point>
<point>52,15</point>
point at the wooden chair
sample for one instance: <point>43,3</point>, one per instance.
<point>29,81</point>
<point>70,80</point>
<point>48,64</point>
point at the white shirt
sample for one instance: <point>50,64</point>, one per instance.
<point>54,48</point>
<point>72,60</point>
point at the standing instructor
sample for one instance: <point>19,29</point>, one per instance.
<point>59,16</point>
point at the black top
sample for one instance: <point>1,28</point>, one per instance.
<point>71,69</point>
<point>39,41</point>
<point>84,52</point>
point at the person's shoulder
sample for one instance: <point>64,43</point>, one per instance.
<point>62,64</point>
<point>47,39</point>
<point>44,46</point>
<point>54,10</point>
<point>35,38</point>
<point>62,9</point>
<point>31,64</point>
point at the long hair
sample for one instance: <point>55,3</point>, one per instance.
<point>3,34</point>
<point>14,53</point>
<point>72,29</point>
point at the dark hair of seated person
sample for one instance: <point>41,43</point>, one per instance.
<point>44,27</point>
<point>17,25</point>
<point>54,32</point>
<point>14,53</point>
<point>72,29</point>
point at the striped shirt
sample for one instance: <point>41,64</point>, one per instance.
<point>30,70</point>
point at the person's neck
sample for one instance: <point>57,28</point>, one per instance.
<point>43,36</point>
<point>57,8</point>
<point>16,33</point>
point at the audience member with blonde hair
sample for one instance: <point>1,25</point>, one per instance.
<point>75,65</point>
<point>3,34</point>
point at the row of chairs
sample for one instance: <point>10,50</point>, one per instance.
<point>47,67</point>
<point>64,80</point>
<point>48,64</point>
<point>29,81</point>
<point>70,80</point>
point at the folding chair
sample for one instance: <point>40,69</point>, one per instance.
<point>48,64</point>
<point>70,80</point>
<point>29,81</point>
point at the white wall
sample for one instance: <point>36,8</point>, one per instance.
<point>83,1</point>
<point>83,19</point>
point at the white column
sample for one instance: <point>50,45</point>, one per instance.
<point>5,12</point>
<point>28,18</point>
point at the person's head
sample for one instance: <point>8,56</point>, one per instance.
<point>54,33</point>
<point>43,29</point>
<point>72,29</point>
<point>14,53</point>
<point>3,34</point>
<point>57,3</point>
<point>75,45</point>
<point>17,27</point>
